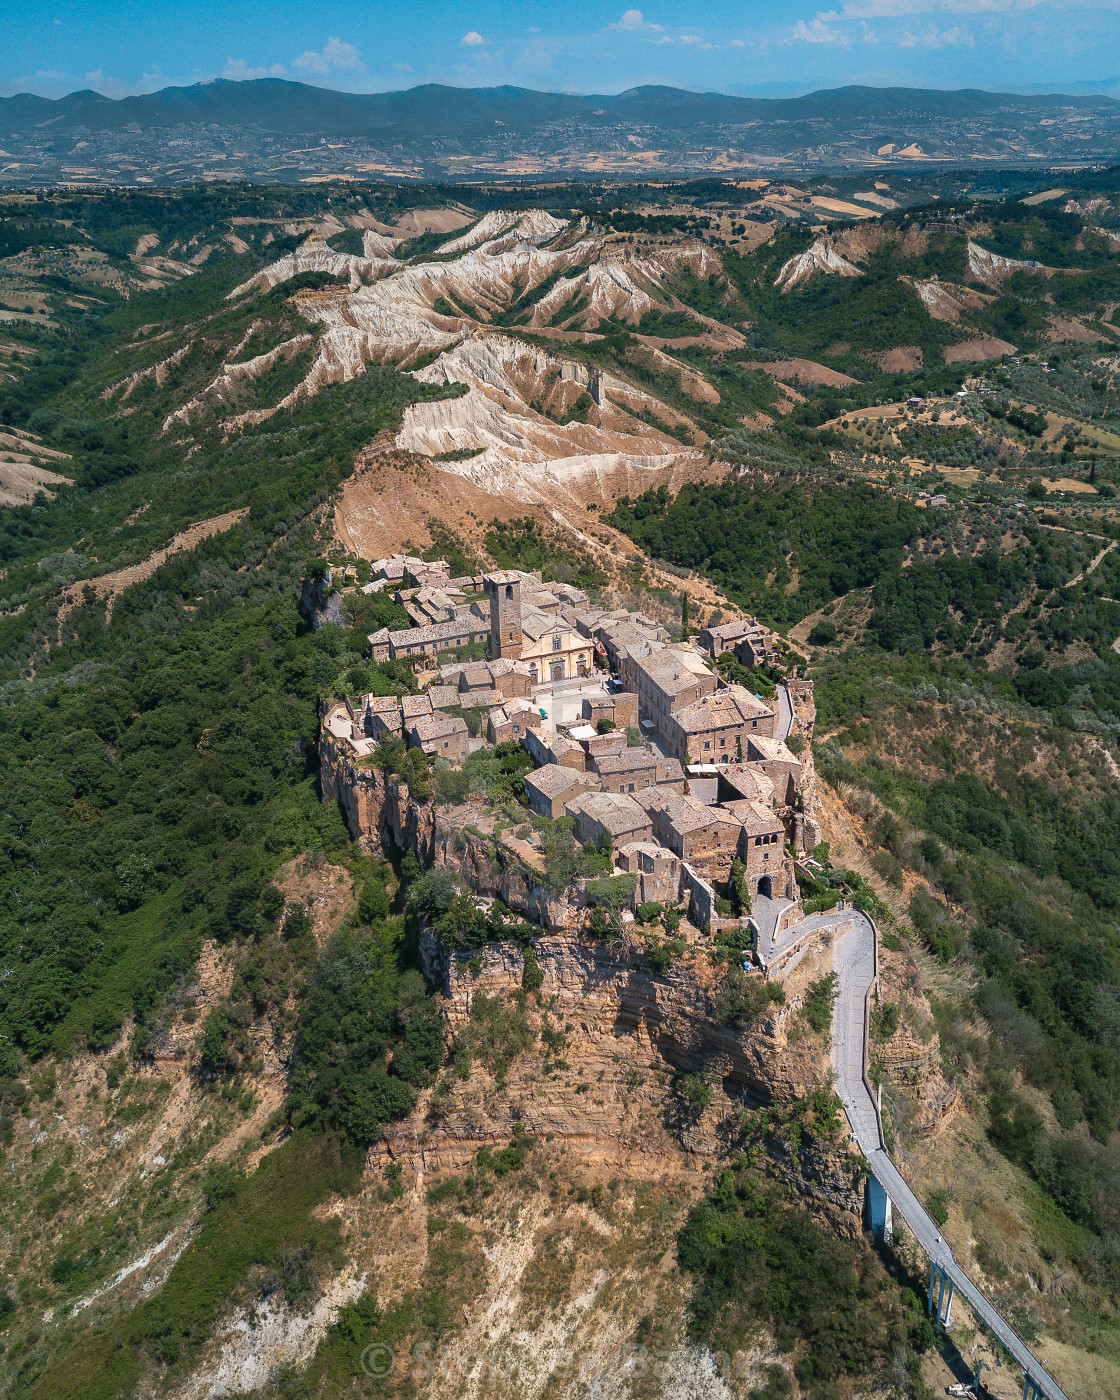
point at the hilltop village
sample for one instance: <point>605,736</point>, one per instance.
<point>696,786</point>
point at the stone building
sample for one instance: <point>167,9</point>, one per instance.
<point>745,637</point>
<point>658,871</point>
<point>707,838</point>
<point>716,728</point>
<point>603,816</point>
<point>781,766</point>
<point>548,788</point>
<point>620,709</point>
<point>511,678</point>
<point>440,736</point>
<point>546,747</point>
<point>504,593</point>
<point>632,770</point>
<point>666,680</point>
<point>511,720</point>
<point>762,849</point>
<point>552,649</point>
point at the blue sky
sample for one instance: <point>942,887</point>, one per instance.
<point>124,46</point>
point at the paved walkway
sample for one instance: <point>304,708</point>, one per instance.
<point>769,953</point>
<point>854,963</point>
<point>785,714</point>
<point>765,913</point>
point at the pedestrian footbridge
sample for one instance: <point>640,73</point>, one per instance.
<point>855,960</point>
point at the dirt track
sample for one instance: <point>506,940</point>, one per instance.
<point>110,586</point>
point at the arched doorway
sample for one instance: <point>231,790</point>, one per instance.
<point>556,670</point>
<point>766,886</point>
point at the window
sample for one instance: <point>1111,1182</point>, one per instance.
<point>707,743</point>
<point>557,642</point>
<point>509,590</point>
<point>723,743</point>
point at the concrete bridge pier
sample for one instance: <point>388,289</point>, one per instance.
<point>879,1211</point>
<point>1032,1390</point>
<point>941,1286</point>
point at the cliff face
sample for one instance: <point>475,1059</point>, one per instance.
<point>379,808</point>
<point>604,1048</point>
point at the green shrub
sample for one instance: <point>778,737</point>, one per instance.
<point>532,978</point>
<point>820,998</point>
<point>743,998</point>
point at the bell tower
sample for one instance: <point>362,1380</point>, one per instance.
<point>505,615</point>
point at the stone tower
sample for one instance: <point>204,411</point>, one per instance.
<point>505,615</point>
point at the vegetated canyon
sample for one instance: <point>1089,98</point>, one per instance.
<point>342,1070</point>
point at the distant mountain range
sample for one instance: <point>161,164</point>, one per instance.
<point>433,110</point>
<point>433,131</point>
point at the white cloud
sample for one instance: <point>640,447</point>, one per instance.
<point>896,9</point>
<point>471,39</point>
<point>632,19</point>
<point>402,67</point>
<point>238,71</point>
<point>817,32</point>
<point>335,56</point>
<point>933,38</point>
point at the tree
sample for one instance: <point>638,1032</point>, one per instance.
<point>742,999</point>
<point>610,895</point>
<point>463,925</point>
<point>433,893</point>
<point>740,891</point>
<point>684,615</point>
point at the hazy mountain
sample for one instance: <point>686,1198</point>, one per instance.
<point>271,129</point>
<point>434,110</point>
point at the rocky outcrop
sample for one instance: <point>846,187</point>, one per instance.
<point>621,1039</point>
<point>994,268</point>
<point>378,807</point>
<point>381,811</point>
<point>514,412</point>
<point>821,256</point>
<point>608,989</point>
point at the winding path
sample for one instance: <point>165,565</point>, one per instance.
<point>854,960</point>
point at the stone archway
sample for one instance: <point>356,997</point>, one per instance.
<point>766,886</point>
